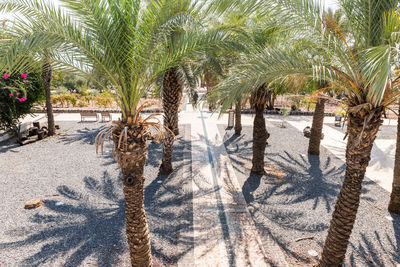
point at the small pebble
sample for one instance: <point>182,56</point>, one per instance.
<point>313,253</point>
<point>59,203</point>
<point>390,219</point>
<point>159,181</point>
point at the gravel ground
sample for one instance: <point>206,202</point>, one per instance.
<point>82,221</point>
<point>293,203</point>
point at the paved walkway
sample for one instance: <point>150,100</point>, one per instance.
<point>224,231</point>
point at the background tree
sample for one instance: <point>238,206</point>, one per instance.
<point>258,102</point>
<point>259,34</point>
<point>238,116</point>
<point>394,203</point>
<point>47,76</point>
<point>184,42</point>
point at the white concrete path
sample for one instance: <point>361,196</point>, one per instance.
<point>380,169</point>
<point>224,231</point>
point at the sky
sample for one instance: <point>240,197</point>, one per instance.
<point>331,4</point>
<point>328,4</point>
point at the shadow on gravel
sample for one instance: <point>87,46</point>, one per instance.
<point>89,227</point>
<point>8,146</point>
<point>293,202</point>
<point>86,135</point>
<point>78,229</point>
<point>370,250</point>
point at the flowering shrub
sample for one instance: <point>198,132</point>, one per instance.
<point>18,93</point>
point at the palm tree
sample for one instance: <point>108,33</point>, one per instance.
<point>122,40</point>
<point>316,129</point>
<point>257,35</point>
<point>394,204</point>
<point>47,76</point>
<point>172,96</point>
<point>198,37</point>
<point>258,102</point>
<point>238,117</point>
<point>361,66</point>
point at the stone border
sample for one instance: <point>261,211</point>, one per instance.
<point>292,113</point>
<point>97,110</point>
<point>160,110</point>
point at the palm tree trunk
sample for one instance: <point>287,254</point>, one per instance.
<point>131,158</point>
<point>259,142</point>
<point>47,77</point>
<point>316,129</point>
<point>358,154</point>
<point>394,204</point>
<point>238,117</point>
<point>258,101</point>
<point>172,95</point>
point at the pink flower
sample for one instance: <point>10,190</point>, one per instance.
<point>10,95</point>
<point>22,99</point>
<point>5,76</point>
<point>23,75</point>
<point>26,82</point>
<point>18,93</point>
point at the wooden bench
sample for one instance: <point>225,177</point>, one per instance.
<point>87,115</point>
<point>104,116</point>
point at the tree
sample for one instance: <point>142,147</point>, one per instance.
<point>172,96</point>
<point>362,69</point>
<point>394,204</point>
<point>258,102</point>
<point>123,40</point>
<point>47,75</point>
<point>318,118</point>
<point>260,34</point>
<point>238,117</point>
<point>316,129</point>
<point>185,42</point>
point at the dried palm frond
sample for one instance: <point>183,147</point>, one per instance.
<point>150,121</point>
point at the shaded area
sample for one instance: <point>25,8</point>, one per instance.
<point>77,228</point>
<point>83,224</point>
<point>293,202</point>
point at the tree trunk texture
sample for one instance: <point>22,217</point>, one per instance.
<point>238,117</point>
<point>394,204</point>
<point>172,96</point>
<point>259,142</point>
<point>47,77</point>
<point>132,156</point>
<point>358,154</point>
<point>271,100</point>
<point>316,129</point>
<point>209,84</point>
<point>258,102</point>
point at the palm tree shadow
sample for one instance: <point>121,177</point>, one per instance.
<point>88,225</point>
<point>369,250</point>
<point>85,135</point>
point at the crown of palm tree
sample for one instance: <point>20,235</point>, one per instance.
<point>361,62</point>
<point>130,42</point>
